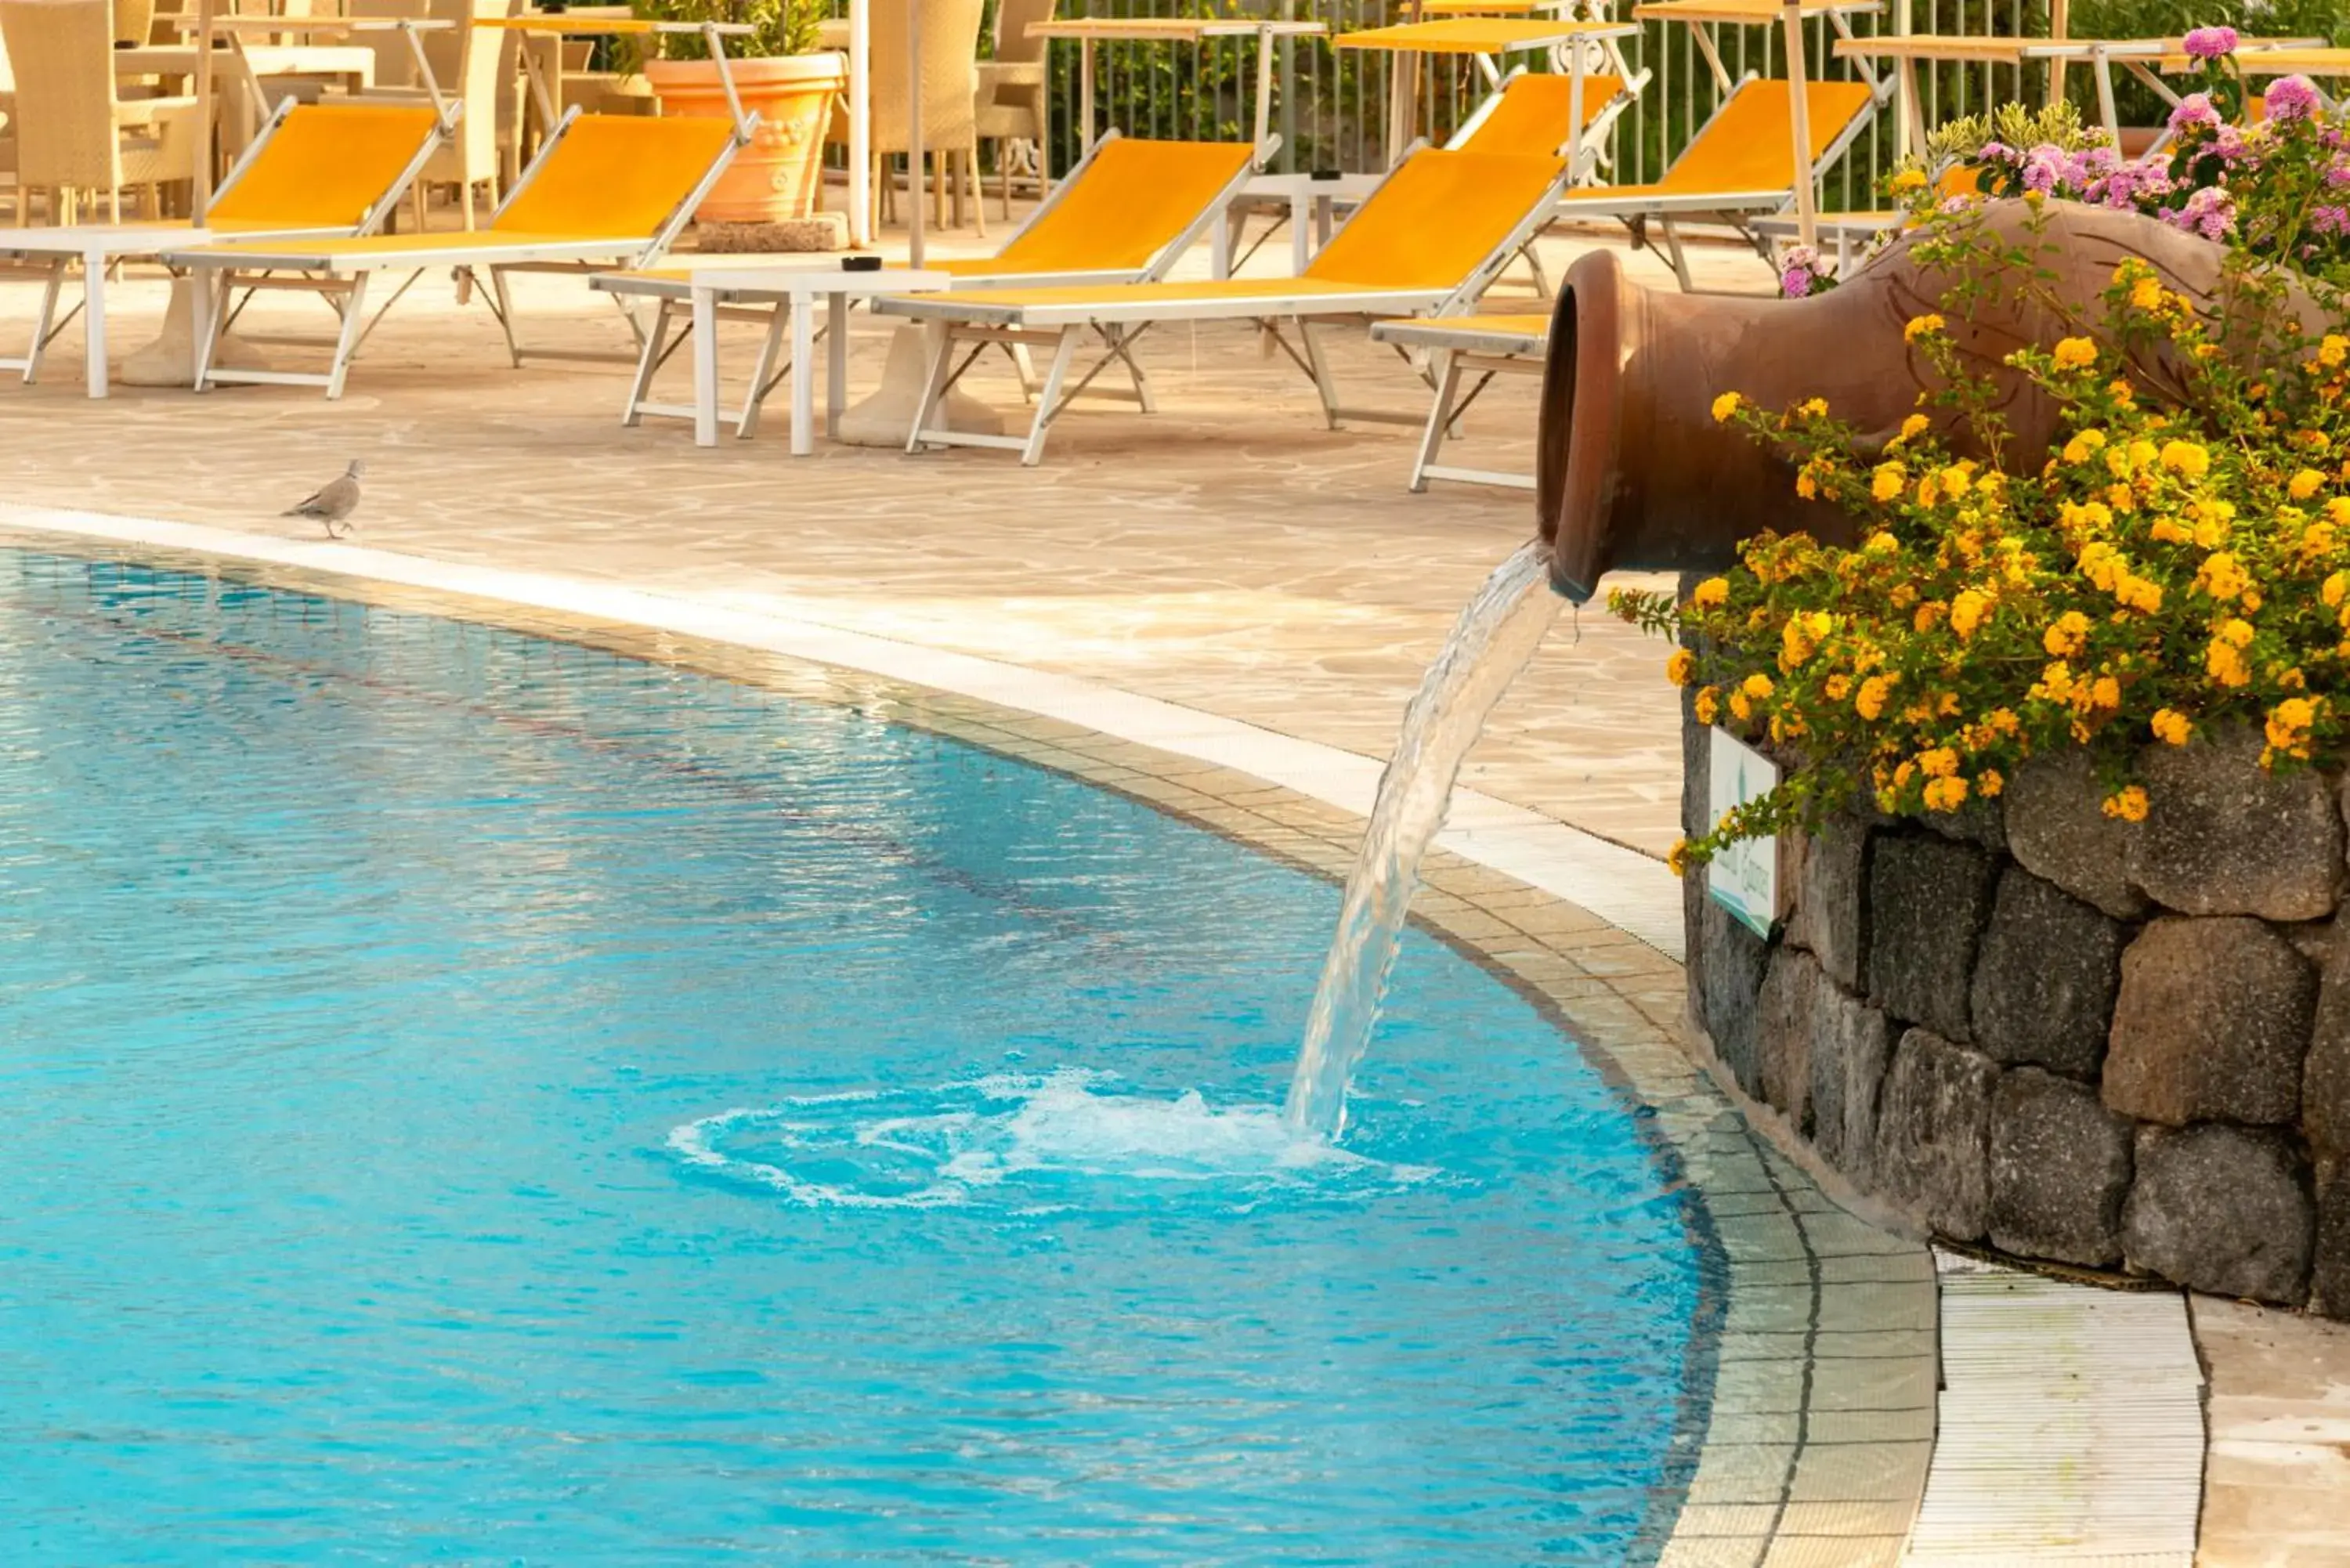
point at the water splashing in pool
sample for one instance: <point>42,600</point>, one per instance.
<point>1495,638</point>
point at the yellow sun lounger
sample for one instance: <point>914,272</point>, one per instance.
<point>1427,241</point>
<point>1485,346</point>
<point>605,190</point>
<point>1128,210</point>
<point>322,169</point>
<point>1741,163</point>
<point>1528,115</point>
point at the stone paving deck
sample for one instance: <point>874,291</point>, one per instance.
<point>1228,554</point>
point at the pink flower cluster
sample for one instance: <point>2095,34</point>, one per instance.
<point>2211,43</point>
<point>1799,272</point>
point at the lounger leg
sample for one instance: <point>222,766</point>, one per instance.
<point>1542,279</point>
<point>1321,368</point>
<point>804,375</point>
<point>1680,258</point>
<point>347,341</point>
<point>836,360</point>
<point>762,374</point>
<point>1440,417</point>
<point>93,320</point>
<point>213,295</point>
<point>1048,405</point>
<point>499,291</point>
<point>648,360</point>
<point>43,324</point>
<point>705,366</point>
<point>934,383</point>
<point>1122,346</point>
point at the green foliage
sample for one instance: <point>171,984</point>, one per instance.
<point>779,27</point>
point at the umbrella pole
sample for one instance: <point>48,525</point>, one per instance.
<point>1799,117</point>
<point>914,192</point>
<point>202,197</point>
<point>860,122</point>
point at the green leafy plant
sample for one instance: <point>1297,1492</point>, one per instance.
<point>779,27</point>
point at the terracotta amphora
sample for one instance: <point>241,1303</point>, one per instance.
<point>1635,472</point>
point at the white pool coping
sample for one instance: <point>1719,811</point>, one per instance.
<point>1623,886</point>
<point>2071,1430</point>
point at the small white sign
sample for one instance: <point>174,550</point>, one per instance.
<point>1743,878</point>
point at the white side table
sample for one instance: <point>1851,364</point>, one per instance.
<point>96,247</point>
<point>1313,204</point>
<point>796,289</point>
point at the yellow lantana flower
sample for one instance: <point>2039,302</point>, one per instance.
<point>1918,326</point>
<point>2067,636</point>
<point>1869,700</point>
<point>2304,484</point>
<point>1679,665</point>
<point>2171,726</point>
<point>1888,483</point>
<point>1966,612</point>
<point>1726,405</point>
<point>2186,459</point>
<point>1711,593</point>
<point>1757,685</point>
<point>1708,704</point>
<point>2129,805</point>
<point>1909,179</point>
<point>1945,794</point>
<point>2074,354</point>
<point>2084,446</point>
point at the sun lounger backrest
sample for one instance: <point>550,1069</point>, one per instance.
<point>1436,219</point>
<point>1536,114</point>
<point>325,166</point>
<point>1749,144</point>
<point>616,176</point>
<point>1134,199</point>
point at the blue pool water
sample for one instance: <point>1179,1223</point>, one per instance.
<point>473,1098</point>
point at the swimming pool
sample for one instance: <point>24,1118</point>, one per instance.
<point>479,1097</point>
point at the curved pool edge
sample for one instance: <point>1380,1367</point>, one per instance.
<point>1807,1426</point>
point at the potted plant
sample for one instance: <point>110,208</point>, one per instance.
<point>779,74</point>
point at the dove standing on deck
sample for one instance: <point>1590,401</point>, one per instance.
<point>334,503</point>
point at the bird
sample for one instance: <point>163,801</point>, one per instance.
<point>334,501</point>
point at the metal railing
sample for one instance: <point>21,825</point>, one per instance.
<point>1330,105</point>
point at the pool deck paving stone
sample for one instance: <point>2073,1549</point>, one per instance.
<point>1231,557</point>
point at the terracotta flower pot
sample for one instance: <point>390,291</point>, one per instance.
<point>777,177</point>
<point>1636,473</point>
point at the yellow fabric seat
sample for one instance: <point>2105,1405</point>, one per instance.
<point>604,187</point>
<point>1749,145</point>
<point>1536,113</point>
<point>326,166</point>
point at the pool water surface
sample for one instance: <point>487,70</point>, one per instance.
<point>480,1098</point>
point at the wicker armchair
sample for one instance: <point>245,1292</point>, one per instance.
<point>950,95</point>
<point>75,135</point>
<point>1011,93</point>
<point>473,64</point>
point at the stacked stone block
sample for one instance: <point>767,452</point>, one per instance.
<point>2070,1037</point>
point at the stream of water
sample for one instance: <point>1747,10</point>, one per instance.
<point>1496,638</point>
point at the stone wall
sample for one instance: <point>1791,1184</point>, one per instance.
<point>2070,1037</point>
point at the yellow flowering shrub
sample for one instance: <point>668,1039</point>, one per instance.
<point>2179,563</point>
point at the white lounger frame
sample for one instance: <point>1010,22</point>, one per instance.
<point>58,249</point>
<point>672,326</point>
<point>343,279</point>
<point>1459,352</point>
<point>970,318</point>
